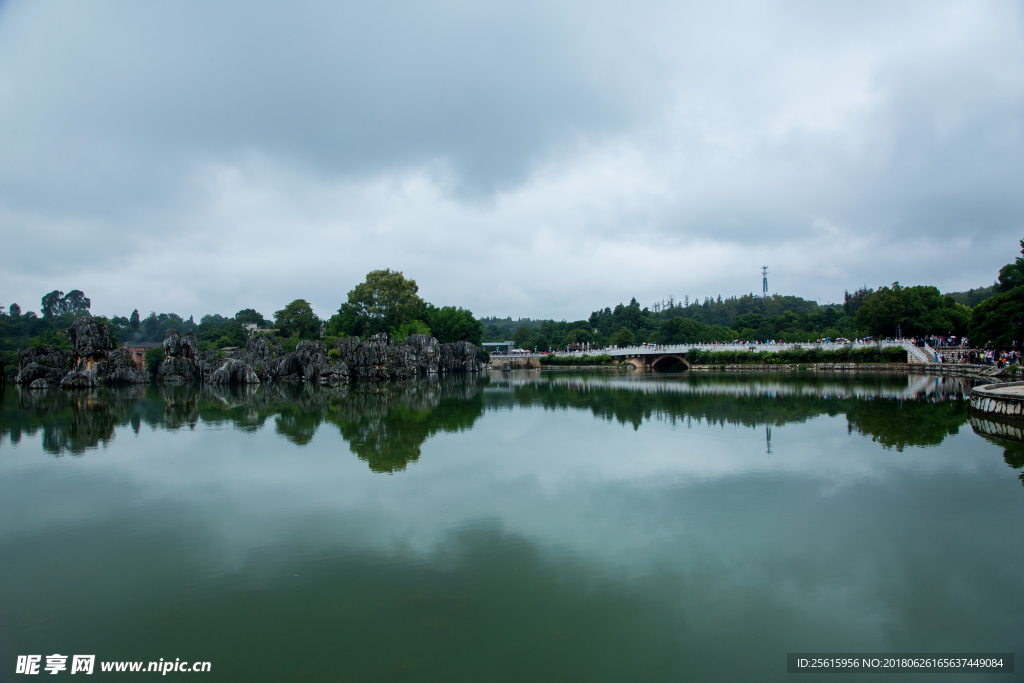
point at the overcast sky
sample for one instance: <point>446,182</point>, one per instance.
<point>524,158</point>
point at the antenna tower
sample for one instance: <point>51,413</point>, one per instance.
<point>764,281</point>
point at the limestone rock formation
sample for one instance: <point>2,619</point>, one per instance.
<point>93,359</point>
<point>422,353</point>
<point>461,356</point>
<point>85,379</point>
<point>43,362</point>
<point>121,369</point>
<point>261,355</point>
<point>177,345</point>
<point>180,364</point>
<point>234,372</point>
<point>91,342</point>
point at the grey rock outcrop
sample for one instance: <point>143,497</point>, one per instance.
<point>43,362</point>
<point>94,359</point>
<point>39,384</point>
<point>85,379</point>
<point>261,354</point>
<point>181,358</point>
<point>178,345</point>
<point>121,369</point>
<point>310,362</point>
<point>461,356</point>
<point>234,372</point>
<point>34,371</point>
<point>422,353</point>
<point>374,359</point>
<point>46,363</point>
<point>92,343</point>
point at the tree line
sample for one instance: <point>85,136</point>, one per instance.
<point>386,302</point>
<point>988,315</point>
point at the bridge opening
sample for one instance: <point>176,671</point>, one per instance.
<point>670,364</point>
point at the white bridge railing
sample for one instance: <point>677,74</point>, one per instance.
<point>663,349</point>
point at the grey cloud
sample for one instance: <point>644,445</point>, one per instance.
<point>601,151</point>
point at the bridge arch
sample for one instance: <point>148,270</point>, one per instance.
<point>663,363</point>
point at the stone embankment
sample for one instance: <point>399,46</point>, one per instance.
<point>95,359</point>
<point>1004,401</point>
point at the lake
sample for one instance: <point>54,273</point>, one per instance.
<point>523,526</point>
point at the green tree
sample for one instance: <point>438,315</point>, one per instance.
<point>911,311</point>
<point>383,303</point>
<point>522,337</point>
<point>410,328</point>
<point>578,336</point>
<point>154,357</point>
<point>297,319</point>
<point>50,303</point>
<point>1012,274</point>
<point>134,320</point>
<point>75,301</point>
<point>452,324</point>
<point>998,320</point>
<point>14,311</point>
<point>622,337</point>
<point>250,315</point>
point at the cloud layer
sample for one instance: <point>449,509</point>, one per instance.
<point>524,159</point>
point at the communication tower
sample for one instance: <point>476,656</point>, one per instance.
<point>764,281</point>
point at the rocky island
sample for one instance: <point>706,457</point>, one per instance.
<point>95,359</point>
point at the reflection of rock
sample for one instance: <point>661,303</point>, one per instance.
<point>74,421</point>
<point>234,372</point>
<point>43,362</point>
<point>384,424</point>
<point>180,362</point>
<point>180,405</point>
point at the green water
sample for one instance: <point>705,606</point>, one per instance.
<point>516,527</point>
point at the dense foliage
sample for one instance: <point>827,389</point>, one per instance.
<point>388,302</point>
<point>910,312</point>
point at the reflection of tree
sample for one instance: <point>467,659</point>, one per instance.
<point>389,436</point>
<point>892,423</point>
<point>898,424</point>
<point>1007,435</point>
<point>634,406</point>
<point>385,424</point>
<point>69,422</point>
<point>1013,455</point>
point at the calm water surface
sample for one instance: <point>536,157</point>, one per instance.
<point>512,527</point>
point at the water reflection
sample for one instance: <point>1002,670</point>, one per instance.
<point>1007,435</point>
<point>386,424</point>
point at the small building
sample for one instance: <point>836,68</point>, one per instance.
<point>504,347</point>
<point>138,351</point>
